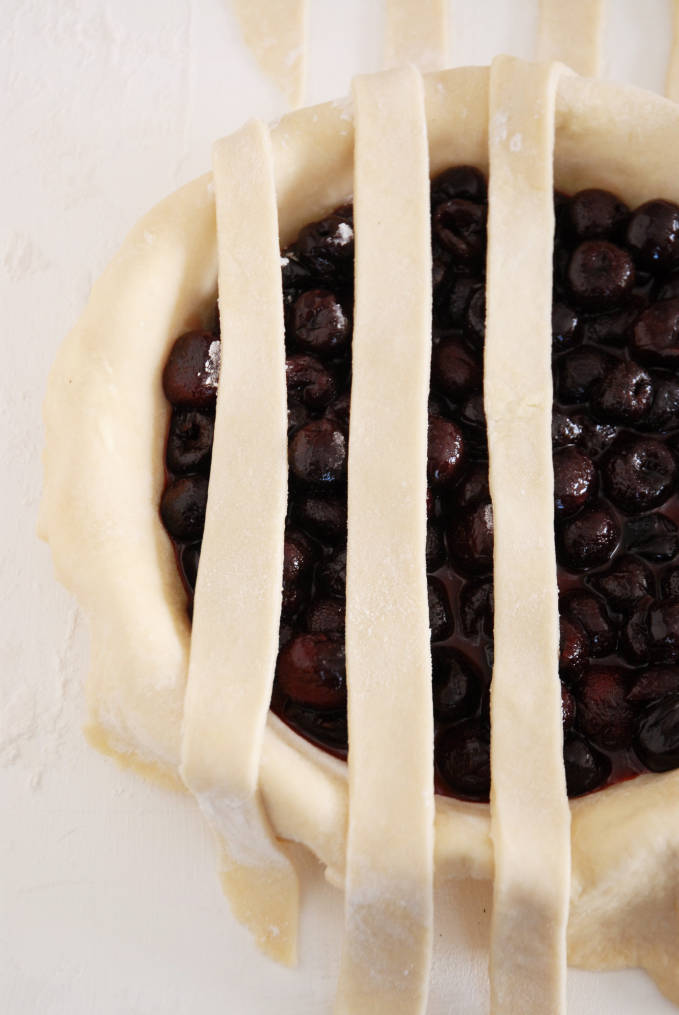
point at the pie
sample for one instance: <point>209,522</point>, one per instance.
<point>428,538</point>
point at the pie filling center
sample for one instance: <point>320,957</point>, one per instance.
<point>615,435</point>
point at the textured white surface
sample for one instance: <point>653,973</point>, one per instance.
<point>108,898</point>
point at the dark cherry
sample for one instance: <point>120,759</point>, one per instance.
<point>654,683</point>
<point>669,583</point>
<point>318,454</point>
<point>565,429</point>
<point>574,476</point>
<point>439,274</point>
<point>568,708</point>
<point>473,415</point>
<point>460,226</point>
<point>654,537</point>
<point>634,634</point>
<point>462,288</point>
<point>296,275</point>
<point>600,275</point>
<point>182,508</point>
<point>595,437</point>
<point>590,538</point>
<point>586,768</point>
<point>560,261</point>
<point>604,714</point>
<point>461,181</point>
<point>652,633</point>
<point>663,631</point>
<point>462,754</point>
<point>332,573</point>
<point>669,290</point>
<point>473,488</point>
<point>327,246</point>
<point>616,326</point>
<point>435,550</point>
<point>440,615</point>
<point>655,338</point>
<point>664,413</point>
<point>298,558</point>
<point>327,729</point>
<point>596,214</point>
<point>319,323</point>
<point>578,371</point>
<point>340,410</point>
<point>455,371</point>
<point>638,473</point>
<point>298,416</point>
<point>624,394</point>
<point>309,382</point>
<point>445,455</point>
<point>293,599</point>
<point>624,583</point>
<point>190,559</point>
<point>189,442</point>
<point>324,517</point>
<point>475,320</point>
<point>311,671</point>
<point>561,202</point>
<point>191,372</point>
<point>476,607</point>
<point>588,611</point>
<point>431,503</point>
<point>657,739</point>
<point>653,234</point>
<point>456,685</point>
<point>566,331</point>
<point>470,539</point>
<point>326,616</point>
<point>573,649</point>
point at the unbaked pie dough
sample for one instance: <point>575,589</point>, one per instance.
<point>258,782</point>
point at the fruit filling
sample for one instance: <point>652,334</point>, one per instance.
<point>615,434</point>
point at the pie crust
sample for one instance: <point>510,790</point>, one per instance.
<point>529,817</point>
<point>106,420</point>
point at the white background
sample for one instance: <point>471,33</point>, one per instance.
<point>109,899</point>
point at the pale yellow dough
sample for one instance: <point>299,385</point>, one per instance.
<point>672,79</point>
<point>276,33</point>
<point>572,31</point>
<point>528,805</point>
<point>106,420</point>
<point>389,905</point>
<point>234,641</point>
<point>416,31</point>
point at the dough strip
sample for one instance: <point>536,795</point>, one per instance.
<point>416,31</point>
<point>388,935</point>
<point>530,818</point>
<point>234,643</point>
<point>276,33</point>
<point>672,79</point>
<point>572,31</point>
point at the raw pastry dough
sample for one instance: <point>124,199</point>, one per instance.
<point>276,33</point>
<point>388,883</point>
<point>234,641</point>
<point>528,806</point>
<point>571,31</point>
<point>672,80</point>
<point>106,421</point>
<point>416,32</point>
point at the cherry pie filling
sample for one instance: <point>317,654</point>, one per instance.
<point>615,435</point>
